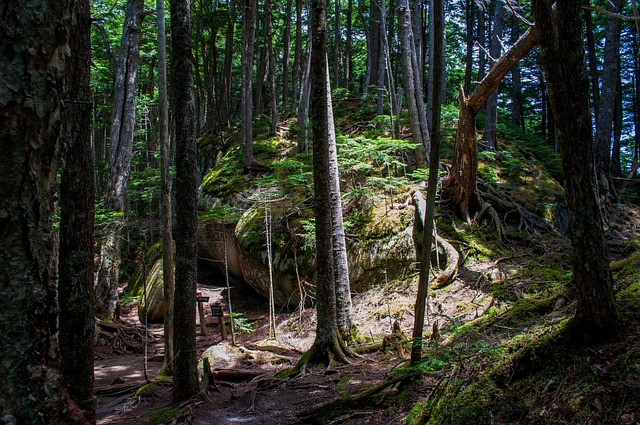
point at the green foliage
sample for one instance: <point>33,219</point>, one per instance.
<point>227,177</point>
<point>224,213</point>
<point>241,324</point>
<point>164,415</point>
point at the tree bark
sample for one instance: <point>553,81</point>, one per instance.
<point>76,296</point>
<point>285,59</point>
<point>185,379</point>
<point>604,123</point>
<point>434,163</point>
<point>468,63</point>
<point>517,115</point>
<point>415,104</point>
<point>123,119</point>
<point>593,64</point>
<point>495,49</point>
<point>34,47</point>
<point>297,60</point>
<point>225,105</point>
<point>303,104</point>
<point>248,38</point>
<point>168,262</point>
<point>460,185</point>
<point>328,344</point>
<point>562,51</point>
<point>348,60</point>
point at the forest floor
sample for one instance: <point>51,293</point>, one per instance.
<point>247,390</point>
<point>502,306</point>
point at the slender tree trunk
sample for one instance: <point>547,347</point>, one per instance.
<point>303,105</point>
<point>636,103</point>
<point>562,51</point>
<point>123,119</point>
<point>418,30</point>
<point>375,44</point>
<point>76,294</point>
<point>34,37</point>
<point>434,164</point>
<point>468,63</point>
<point>481,37</point>
<point>336,44</point>
<point>460,185</point>
<point>382,59</point>
<point>168,262</point>
<point>285,59</point>
<point>262,65</point>
<point>616,165</point>
<point>417,116</point>
<point>225,105</point>
<point>328,344</point>
<point>517,115</point>
<point>348,60</point>
<point>593,65</point>
<point>604,123</point>
<point>185,380</point>
<point>248,38</point>
<point>297,60</point>
<point>495,49</point>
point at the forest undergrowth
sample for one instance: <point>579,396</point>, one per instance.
<point>497,348</point>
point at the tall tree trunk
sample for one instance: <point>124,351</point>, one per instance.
<point>303,104</point>
<point>168,262</point>
<point>481,37</point>
<point>495,49</point>
<point>636,103</point>
<point>297,60</point>
<point>328,343</point>
<point>185,379</point>
<point>76,295</point>
<point>593,64</point>
<point>123,119</point>
<point>434,164</point>
<point>562,51</point>
<point>225,104</point>
<point>262,66</point>
<point>375,44</point>
<point>415,104</point>
<point>604,123</point>
<point>248,37</point>
<point>34,45</point>
<point>460,185</point>
<point>418,30</point>
<point>336,44</point>
<point>285,59</point>
<point>616,164</point>
<point>468,62</point>
<point>348,60</point>
<point>382,58</point>
<point>517,115</point>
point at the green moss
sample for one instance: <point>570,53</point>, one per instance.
<point>164,415</point>
<point>135,287</point>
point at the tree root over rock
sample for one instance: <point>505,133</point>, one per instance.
<point>336,350</point>
<point>119,338</point>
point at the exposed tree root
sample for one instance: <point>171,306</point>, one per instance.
<point>119,338</point>
<point>336,350</point>
<point>325,411</point>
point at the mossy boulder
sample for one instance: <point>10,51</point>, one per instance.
<point>147,284</point>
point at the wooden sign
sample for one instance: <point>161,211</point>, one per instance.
<point>216,310</point>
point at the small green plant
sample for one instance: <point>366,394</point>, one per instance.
<point>241,324</point>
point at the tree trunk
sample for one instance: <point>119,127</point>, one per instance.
<point>517,115</point>
<point>593,65</point>
<point>348,60</point>
<point>604,123</point>
<point>460,185</point>
<point>225,105</point>
<point>415,104</point>
<point>616,164</point>
<point>481,39</point>
<point>374,45</point>
<point>123,119</point>
<point>185,379</point>
<point>303,105</point>
<point>285,59</point>
<point>76,296</point>
<point>34,45</point>
<point>495,49</point>
<point>382,59</point>
<point>297,60</point>
<point>168,262</point>
<point>562,51</point>
<point>328,344</point>
<point>468,63</point>
<point>434,163</point>
<point>262,66</point>
<point>336,44</point>
<point>248,38</point>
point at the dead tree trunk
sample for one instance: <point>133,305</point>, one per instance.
<point>460,185</point>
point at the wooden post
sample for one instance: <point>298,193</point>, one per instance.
<point>203,325</point>
<point>223,328</point>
